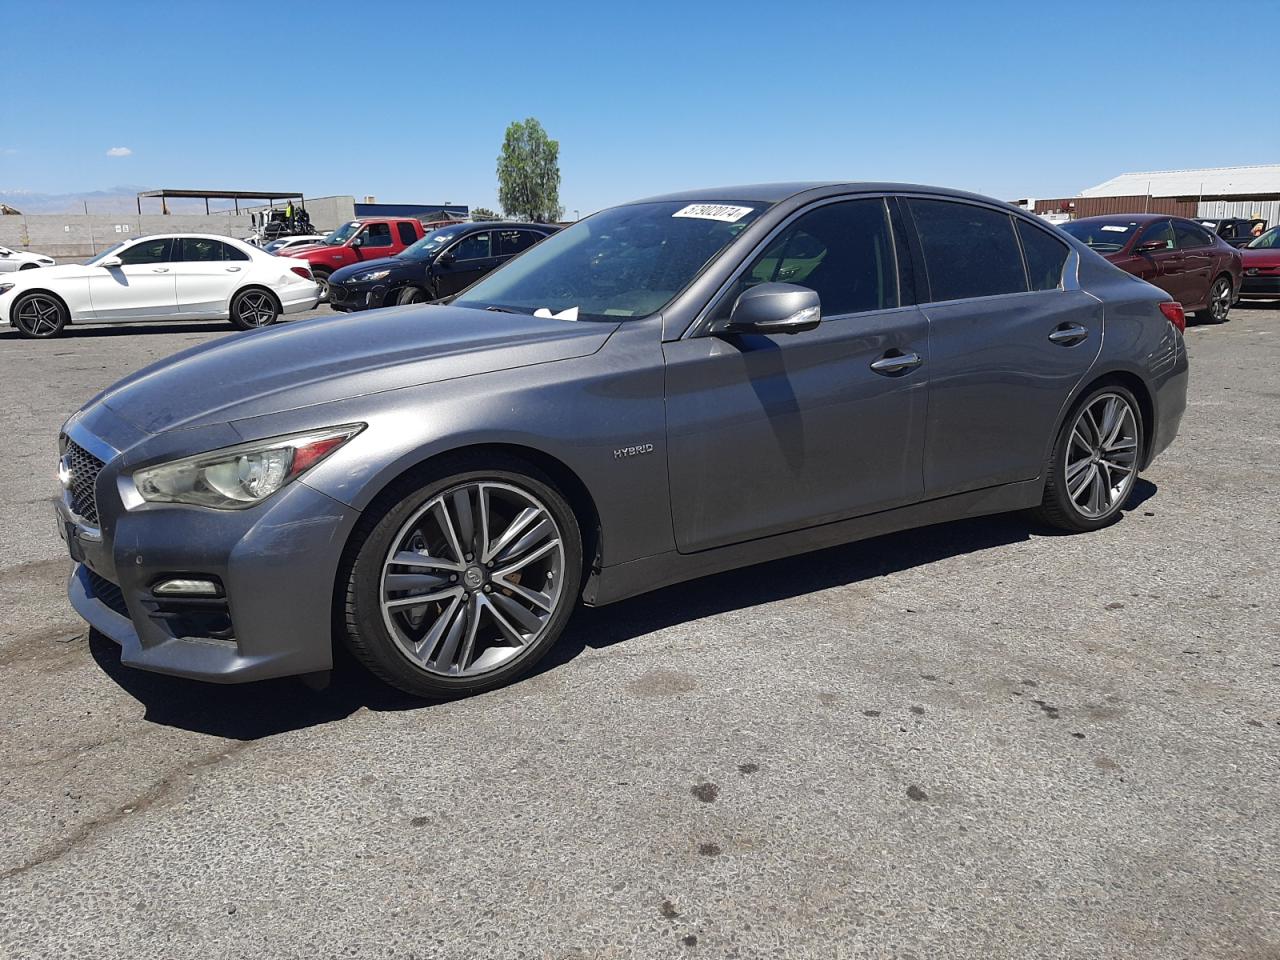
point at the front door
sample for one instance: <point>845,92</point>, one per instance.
<point>767,434</point>
<point>1196,246</point>
<point>471,259</point>
<point>143,286</point>
<point>1163,266</point>
<point>1007,343</point>
<point>208,272</point>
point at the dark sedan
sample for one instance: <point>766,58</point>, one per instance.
<point>1197,268</point>
<point>667,389</point>
<point>442,263</point>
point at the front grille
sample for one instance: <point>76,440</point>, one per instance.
<point>107,592</point>
<point>84,467</point>
<point>336,294</point>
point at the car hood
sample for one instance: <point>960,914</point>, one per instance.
<point>261,372</point>
<point>45,275</point>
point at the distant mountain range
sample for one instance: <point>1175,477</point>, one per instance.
<point>123,199</point>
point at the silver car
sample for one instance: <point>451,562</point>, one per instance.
<point>664,390</point>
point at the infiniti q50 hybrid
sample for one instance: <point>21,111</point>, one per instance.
<point>666,389</point>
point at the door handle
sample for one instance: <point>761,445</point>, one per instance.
<point>897,362</point>
<point>233,269</point>
<point>160,270</point>
<point>1069,334</point>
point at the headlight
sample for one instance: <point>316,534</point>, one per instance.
<point>6,287</point>
<point>237,477</point>
<point>371,275</point>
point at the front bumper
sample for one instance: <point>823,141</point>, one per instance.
<point>1263,285</point>
<point>350,297</point>
<point>277,563</point>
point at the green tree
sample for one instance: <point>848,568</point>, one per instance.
<point>529,173</point>
<point>483,213</point>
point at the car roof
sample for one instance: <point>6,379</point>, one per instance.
<point>1130,218</point>
<point>499,225</point>
<point>777,192</point>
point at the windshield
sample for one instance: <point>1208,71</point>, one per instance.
<point>110,251</point>
<point>429,245</point>
<point>1101,236</point>
<point>1268,241</point>
<point>342,234</point>
<point>626,262</point>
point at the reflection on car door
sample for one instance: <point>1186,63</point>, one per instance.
<point>1195,246</point>
<point>1163,267</point>
<point>471,260</point>
<point>1007,342</point>
<point>208,272</point>
<point>143,287</point>
<point>767,434</point>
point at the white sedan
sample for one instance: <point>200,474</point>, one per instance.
<point>176,277</point>
<point>11,260</point>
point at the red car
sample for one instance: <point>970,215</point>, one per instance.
<point>1197,268</point>
<point>1262,265</point>
<point>369,238</point>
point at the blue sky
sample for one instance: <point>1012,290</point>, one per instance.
<point>408,101</point>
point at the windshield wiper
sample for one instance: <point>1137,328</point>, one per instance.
<point>501,309</point>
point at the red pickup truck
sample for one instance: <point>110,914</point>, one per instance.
<point>365,239</point>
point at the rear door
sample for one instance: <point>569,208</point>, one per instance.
<point>1010,336</point>
<point>208,272</point>
<point>771,433</point>
<point>406,233</point>
<point>143,287</point>
<point>508,243</point>
<point>1196,247</point>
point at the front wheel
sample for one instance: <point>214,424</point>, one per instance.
<point>464,582</point>
<point>1095,461</point>
<point>1219,302</point>
<point>251,309</point>
<point>39,316</point>
<point>410,295</point>
<point>321,278</point>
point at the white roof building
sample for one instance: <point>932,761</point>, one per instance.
<point>1258,180</point>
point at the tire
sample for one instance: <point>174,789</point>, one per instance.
<point>29,266</point>
<point>1220,296</point>
<point>488,620</point>
<point>254,308</point>
<point>39,316</point>
<point>1078,459</point>
<point>410,295</point>
<point>321,278</point>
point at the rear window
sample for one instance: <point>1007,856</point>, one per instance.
<point>969,251</point>
<point>1104,236</point>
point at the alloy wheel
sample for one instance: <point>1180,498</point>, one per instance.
<point>39,316</point>
<point>1102,456</point>
<point>1220,299</point>
<point>473,578</point>
<point>256,309</point>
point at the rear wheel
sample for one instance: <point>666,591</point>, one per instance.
<point>251,309</point>
<point>39,316</point>
<point>1219,302</point>
<point>465,581</point>
<point>1095,461</point>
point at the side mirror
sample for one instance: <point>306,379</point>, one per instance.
<point>111,263</point>
<point>358,241</point>
<point>445,259</point>
<point>775,308</point>
<point>1151,246</point>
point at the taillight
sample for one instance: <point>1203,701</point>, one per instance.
<point>1174,313</point>
<point>303,272</point>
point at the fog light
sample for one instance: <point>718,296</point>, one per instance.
<point>187,588</point>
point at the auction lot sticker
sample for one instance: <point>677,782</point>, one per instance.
<point>713,211</point>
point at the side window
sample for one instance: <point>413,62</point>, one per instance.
<point>474,247</point>
<point>233,253</point>
<point>841,251</point>
<point>1189,235</point>
<point>1160,230</point>
<point>407,233</point>
<point>511,242</point>
<point>200,249</point>
<point>969,251</point>
<point>377,235</point>
<point>147,251</point>
<point>1045,255</point>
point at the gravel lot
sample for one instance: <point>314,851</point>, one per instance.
<point>975,740</point>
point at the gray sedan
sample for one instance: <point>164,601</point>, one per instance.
<point>664,390</point>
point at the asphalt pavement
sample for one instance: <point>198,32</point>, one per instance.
<point>975,740</point>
